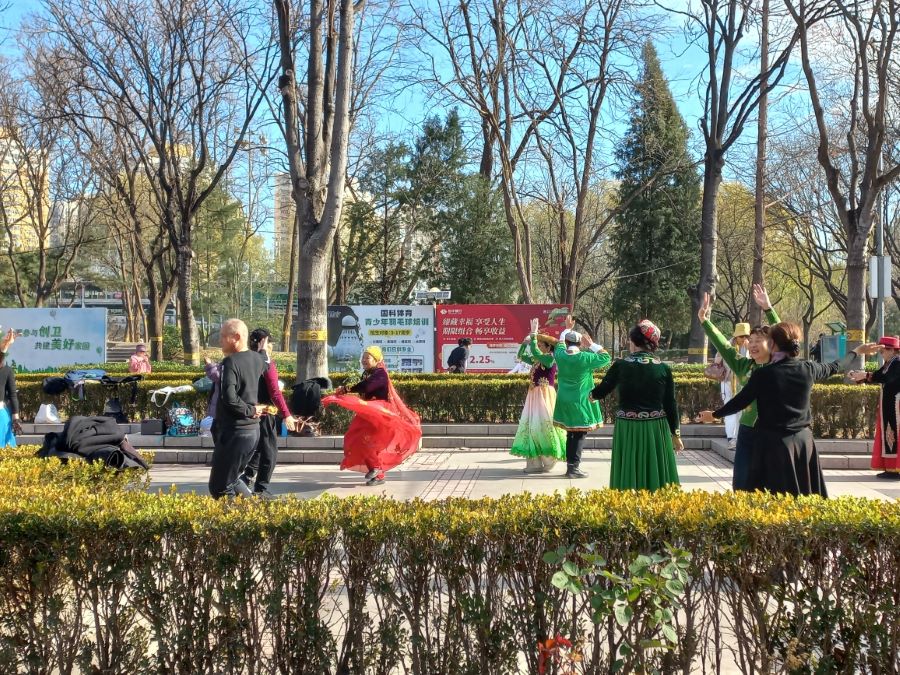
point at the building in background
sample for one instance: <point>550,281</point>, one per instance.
<point>25,195</point>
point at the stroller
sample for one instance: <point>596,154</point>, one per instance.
<point>74,381</point>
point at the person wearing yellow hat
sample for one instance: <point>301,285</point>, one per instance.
<point>384,431</point>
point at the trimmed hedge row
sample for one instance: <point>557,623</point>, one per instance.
<point>839,411</point>
<point>128,582</point>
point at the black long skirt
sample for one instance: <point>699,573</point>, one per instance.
<point>786,462</point>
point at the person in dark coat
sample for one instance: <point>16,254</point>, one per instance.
<point>784,457</point>
<point>459,357</point>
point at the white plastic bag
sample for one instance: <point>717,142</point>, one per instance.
<point>206,427</point>
<point>47,414</point>
<point>166,392</point>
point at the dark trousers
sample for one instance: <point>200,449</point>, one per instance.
<point>262,463</point>
<point>233,447</point>
<point>574,446</point>
<point>743,452</point>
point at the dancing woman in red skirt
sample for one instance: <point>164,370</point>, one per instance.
<point>384,431</point>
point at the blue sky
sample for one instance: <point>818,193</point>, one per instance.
<point>682,64</point>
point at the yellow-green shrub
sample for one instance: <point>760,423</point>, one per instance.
<point>140,583</point>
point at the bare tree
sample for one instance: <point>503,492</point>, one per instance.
<point>494,73</point>
<point>317,186</point>
<point>762,134</point>
<point>378,38</point>
<point>190,76</point>
<point>847,54</point>
<point>44,211</point>
<point>721,27</point>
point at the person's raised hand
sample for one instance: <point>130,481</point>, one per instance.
<point>534,326</point>
<point>868,349</point>
<point>704,311</point>
<point>586,341</point>
<point>8,340</point>
<point>570,322</point>
<point>761,297</point>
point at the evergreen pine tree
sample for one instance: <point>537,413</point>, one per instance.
<point>655,239</point>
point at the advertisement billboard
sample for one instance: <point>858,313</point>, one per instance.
<point>55,337</point>
<point>496,331</point>
<point>405,334</point>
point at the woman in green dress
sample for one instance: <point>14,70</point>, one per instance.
<point>575,377</point>
<point>537,440</point>
<point>647,433</point>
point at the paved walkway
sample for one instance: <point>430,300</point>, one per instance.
<point>474,473</point>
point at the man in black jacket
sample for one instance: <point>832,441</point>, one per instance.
<point>235,428</point>
<point>459,357</point>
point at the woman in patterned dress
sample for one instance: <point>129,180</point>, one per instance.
<point>537,439</point>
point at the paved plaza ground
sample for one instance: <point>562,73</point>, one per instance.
<point>439,473</point>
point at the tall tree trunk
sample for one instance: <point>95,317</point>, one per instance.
<point>155,319</point>
<point>762,134</point>
<point>190,336</point>
<point>521,250</point>
<point>312,348</point>
<point>317,234</point>
<point>339,292</point>
<point>712,179</point>
<point>486,166</point>
<point>287,84</point>
<point>856,285</point>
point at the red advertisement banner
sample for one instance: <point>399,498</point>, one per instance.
<point>496,331</point>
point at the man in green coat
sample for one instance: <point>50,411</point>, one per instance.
<point>577,357</point>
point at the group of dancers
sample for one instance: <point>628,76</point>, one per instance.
<point>774,447</point>
<point>554,423</point>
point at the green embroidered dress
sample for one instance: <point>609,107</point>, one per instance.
<point>575,379</point>
<point>537,440</point>
<point>643,457</point>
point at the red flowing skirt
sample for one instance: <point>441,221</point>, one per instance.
<point>377,438</point>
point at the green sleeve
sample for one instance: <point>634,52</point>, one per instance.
<point>596,360</point>
<point>545,360</point>
<point>610,382</point>
<point>740,365</point>
<point>523,354</point>
<point>670,405</point>
<point>772,316</point>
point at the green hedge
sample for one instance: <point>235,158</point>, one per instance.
<point>101,582</point>
<point>839,411</point>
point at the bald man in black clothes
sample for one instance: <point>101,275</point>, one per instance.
<point>235,429</point>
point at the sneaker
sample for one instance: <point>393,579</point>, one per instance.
<point>264,495</point>
<point>889,475</point>
<point>241,489</point>
<point>575,472</point>
<point>371,474</point>
<point>377,479</point>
